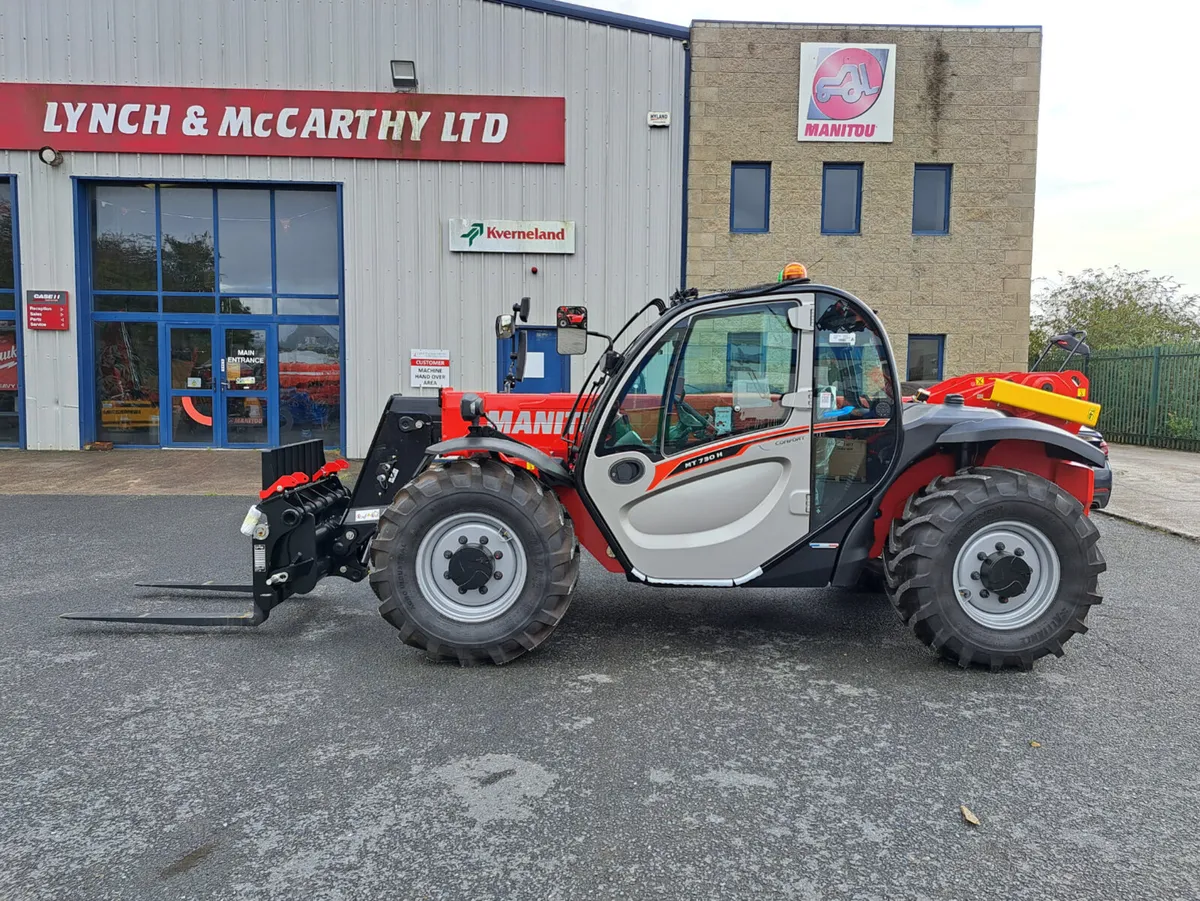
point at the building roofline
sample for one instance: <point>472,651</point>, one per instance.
<point>732,23</point>
<point>601,17</point>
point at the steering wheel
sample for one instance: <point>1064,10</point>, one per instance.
<point>692,422</point>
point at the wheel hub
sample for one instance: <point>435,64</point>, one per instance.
<point>471,567</point>
<point>1005,574</point>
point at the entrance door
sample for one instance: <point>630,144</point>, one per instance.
<point>702,466</point>
<point>218,386</point>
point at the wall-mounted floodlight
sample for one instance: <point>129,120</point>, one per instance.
<point>404,74</point>
<point>50,156</point>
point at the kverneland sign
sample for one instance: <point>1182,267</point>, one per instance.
<point>242,122</point>
<point>511,236</point>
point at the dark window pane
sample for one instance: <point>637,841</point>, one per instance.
<point>245,240</point>
<point>9,421</point>
<point>931,199</point>
<point>839,202</point>
<point>124,251</point>
<point>246,359</point>
<point>8,300</point>
<point>749,196</point>
<point>191,420</point>
<point>191,359</point>
<point>310,377</point>
<point>188,304</point>
<point>248,305</point>
<point>308,306</point>
<point>246,420</point>
<point>306,242</point>
<point>125,303</point>
<point>187,239</point>
<point>7,265</point>
<point>924,358</point>
<point>636,420</point>
<point>127,382</point>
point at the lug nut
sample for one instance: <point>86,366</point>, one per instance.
<point>965,595</point>
<point>462,539</point>
<point>462,591</point>
<point>497,576</point>
<point>497,555</point>
<point>446,574</point>
<point>448,554</point>
<point>1020,552</point>
<point>1003,600</point>
<point>981,555</point>
<point>975,576</point>
<point>483,589</point>
<point>483,539</point>
<point>984,593</point>
<point>1000,546</point>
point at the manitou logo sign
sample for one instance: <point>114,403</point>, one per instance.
<point>511,236</point>
<point>540,422</point>
<point>847,92</point>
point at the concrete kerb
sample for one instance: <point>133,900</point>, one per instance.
<point>1147,524</point>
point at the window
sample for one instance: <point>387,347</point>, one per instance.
<point>719,374</point>
<point>925,353</point>
<point>750,197</point>
<point>852,382</point>
<point>841,199</point>
<point>931,200</point>
<point>10,405</point>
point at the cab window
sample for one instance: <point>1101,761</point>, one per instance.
<point>635,422</point>
<point>854,408</point>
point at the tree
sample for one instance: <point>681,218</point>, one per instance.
<point>1118,308</point>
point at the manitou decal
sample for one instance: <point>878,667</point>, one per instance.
<point>240,122</point>
<point>847,92</point>
<point>548,422</point>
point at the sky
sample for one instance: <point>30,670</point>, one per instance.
<point>1118,169</point>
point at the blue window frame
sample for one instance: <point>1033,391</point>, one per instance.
<point>925,356</point>
<point>931,199</point>
<point>750,198</point>
<point>841,199</point>
<point>12,407</point>
<point>189,274</point>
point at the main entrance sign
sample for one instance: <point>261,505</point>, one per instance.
<point>243,122</point>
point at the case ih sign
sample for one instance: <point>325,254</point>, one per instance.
<point>241,122</point>
<point>847,92</point>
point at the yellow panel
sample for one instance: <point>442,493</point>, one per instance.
<point>1045,402</point>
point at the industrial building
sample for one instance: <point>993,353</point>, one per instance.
<point>238,225</point>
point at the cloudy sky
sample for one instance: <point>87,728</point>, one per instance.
<point>1118,158</point>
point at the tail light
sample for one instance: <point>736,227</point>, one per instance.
<point>1104,446</point>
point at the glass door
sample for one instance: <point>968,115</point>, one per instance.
<point>245,403</point>
<point>192,387</point>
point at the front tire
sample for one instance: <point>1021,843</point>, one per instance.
<point>474,561</point>
<point>994,567</point>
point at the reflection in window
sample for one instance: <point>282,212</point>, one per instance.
<point>310,382</point>
<point>853,383</point>
<point>189,304</point>
<point>246,359</point>
<point>308,306</point>
<point>246,420</point>
<point>246,305</point>
<point>7,265</point>
<point>124,249</point>
<point>636,418</point>
<point>127,382</point>
<point>245,238</point>
<point>187,239</point>
<point>306,242</point>
<point>192,420</point>
<point>9,418</point>
<point>125,303</point>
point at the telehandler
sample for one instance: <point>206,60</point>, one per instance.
<point>749,438</point>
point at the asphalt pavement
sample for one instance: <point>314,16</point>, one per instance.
<point>664,744</point>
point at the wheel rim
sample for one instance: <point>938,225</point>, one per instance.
<point>997,560</point>
<point>459,572</point>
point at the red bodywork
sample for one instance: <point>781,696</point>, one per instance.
<point>539,419</point>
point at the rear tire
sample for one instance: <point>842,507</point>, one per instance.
<point>1014,522</point>
<point>490,608</point>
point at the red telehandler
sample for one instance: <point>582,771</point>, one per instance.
<point>753,438</point>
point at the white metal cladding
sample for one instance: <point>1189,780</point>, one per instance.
<point>622,182</point>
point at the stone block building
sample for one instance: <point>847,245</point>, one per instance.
<point>934,228</point>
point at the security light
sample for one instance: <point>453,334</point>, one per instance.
<point>404,74</point>
<point>50,156</point>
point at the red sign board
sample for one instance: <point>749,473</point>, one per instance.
<point>47,310</point>
<point>8,360</point>
<point>242,122</point>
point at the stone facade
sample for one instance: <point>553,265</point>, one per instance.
<point>964,96</point>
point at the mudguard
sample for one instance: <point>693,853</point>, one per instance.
<point>1009,428</point>
<point>550,470</point>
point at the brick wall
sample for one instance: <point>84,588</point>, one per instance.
<point>964,96</point>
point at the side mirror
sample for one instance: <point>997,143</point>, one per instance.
<point>522,348</point>
<point>523,309</point>
<point>505,326</point>
<point>572,330</point>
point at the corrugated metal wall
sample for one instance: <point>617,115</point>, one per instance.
<point>622,183</point>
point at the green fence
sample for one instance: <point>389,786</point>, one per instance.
<point>1148,395</point>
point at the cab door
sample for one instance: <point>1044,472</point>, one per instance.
<point>701,466</point>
